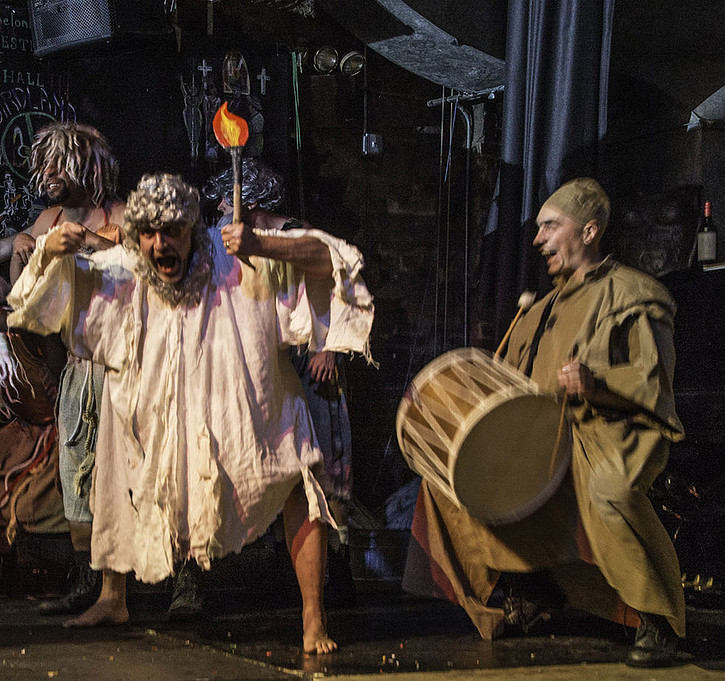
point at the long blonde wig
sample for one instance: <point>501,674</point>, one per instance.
<point>83,153</point>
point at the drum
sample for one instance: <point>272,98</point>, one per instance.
<point>484,435</point>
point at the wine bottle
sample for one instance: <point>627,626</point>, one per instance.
<point>707,237</point>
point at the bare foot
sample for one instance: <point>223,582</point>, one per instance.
<point>321,644</point>
<point>100,613</point>
<point>315,638</point>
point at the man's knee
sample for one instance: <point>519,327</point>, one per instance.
<point>611,491</point>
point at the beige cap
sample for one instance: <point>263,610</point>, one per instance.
<point>582,200</point>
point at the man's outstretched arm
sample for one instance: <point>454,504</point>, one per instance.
<point>307,253</point>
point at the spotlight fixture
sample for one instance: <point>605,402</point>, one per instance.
<point>352,63</point>
<point>325,59</point>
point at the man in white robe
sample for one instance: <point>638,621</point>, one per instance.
<point>204,427</point>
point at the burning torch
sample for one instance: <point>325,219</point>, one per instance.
<point>232,132</point>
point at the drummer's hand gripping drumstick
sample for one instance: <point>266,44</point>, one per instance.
<point>526,300</point>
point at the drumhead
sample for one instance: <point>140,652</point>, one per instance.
<point>506,466</point>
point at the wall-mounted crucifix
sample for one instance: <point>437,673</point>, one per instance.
<point>204,68</point>
<point>262,77</point>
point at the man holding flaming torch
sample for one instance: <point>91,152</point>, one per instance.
<point>205,430</point>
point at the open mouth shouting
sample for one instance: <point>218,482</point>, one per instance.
<point>169,267</point>
<point>167,248</point>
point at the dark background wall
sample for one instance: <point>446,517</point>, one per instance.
<point>666,59</point>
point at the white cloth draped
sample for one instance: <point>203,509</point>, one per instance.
<point>204,429</point>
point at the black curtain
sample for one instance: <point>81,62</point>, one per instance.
<point>554,123</point>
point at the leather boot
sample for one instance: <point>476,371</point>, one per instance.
<point>655,644</point>
<point>530,600</point>
<point>522,615</point>
<point>83,589</point>
<point>187,601</point>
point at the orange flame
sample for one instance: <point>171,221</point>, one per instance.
<point>230,130</point>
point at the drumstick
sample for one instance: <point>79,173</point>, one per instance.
<point>562,418</point>
<point>526,300</point>
<point>559,432</point>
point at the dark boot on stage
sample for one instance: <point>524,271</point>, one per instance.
<point>84,587</point>
<point>522,615</point>
<point>655,644</point>
<point>340,589</point>
<point>530,601</point>
<point>187,601</point>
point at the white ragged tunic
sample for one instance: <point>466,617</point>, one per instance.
<point>204,429</point>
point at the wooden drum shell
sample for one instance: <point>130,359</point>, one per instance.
<point>484,435</point>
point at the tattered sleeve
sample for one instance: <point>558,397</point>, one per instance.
<point>314,313</point>
<point>71,296</point>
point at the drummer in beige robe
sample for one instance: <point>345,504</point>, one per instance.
<point>603,337</point>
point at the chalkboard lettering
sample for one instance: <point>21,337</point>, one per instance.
<point>21,78</point>
<point>12,42</point>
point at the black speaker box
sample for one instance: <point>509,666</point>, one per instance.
<point>63,24</point>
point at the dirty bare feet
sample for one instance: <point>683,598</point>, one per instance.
<point>102,612</point>
<point>315,639</point>
<point>110,608</point>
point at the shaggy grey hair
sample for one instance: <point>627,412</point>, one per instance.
<point>260,185</point>
<point>166,199</point>
<point>83,153</point>
<point>161,199</point>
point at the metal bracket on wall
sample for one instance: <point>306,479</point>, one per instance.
<point>372,144</point>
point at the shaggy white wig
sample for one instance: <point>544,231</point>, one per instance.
<point>160,200</point>
<point>83,153</point>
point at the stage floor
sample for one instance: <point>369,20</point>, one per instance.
<point>386,632</point>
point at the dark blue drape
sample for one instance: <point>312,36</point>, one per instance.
<point>554,122</point>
